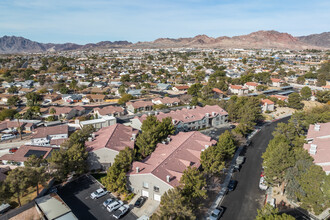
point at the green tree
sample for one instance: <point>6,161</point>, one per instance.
<point>294,101</point>
<point>193,183</point>
<point>13,100</point>
<point>52,111</point>
<point>195,89</point>
<point>306,93</point>
<point>116,174</point>
<point>277,159</point>
<point>301,80</point>
<point>125,98</point>
<point>33,98</point>
<point>323,96</point>
<point>227,145</point>
<point>212,160</point>
<point>37,176</point>
<point>18,116</point>
<point>7,113</point>
<point>17,182</point>
<point>173,206</point>
<point>125,78</point>
<point>12,89</point>
<point>270,213</point>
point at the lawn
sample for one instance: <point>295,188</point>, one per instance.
<point>27,197</point>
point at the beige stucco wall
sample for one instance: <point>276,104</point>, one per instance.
<point>102,157</point>
<point>135,182</point>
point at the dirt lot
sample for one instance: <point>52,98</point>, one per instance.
<point>311,104</point>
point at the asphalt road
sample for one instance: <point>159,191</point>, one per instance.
<point>243,202</point>
<point>76,195</point>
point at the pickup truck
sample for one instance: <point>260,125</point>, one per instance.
<point>240,160</point>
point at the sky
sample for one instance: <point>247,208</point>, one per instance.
<point>91,21</point>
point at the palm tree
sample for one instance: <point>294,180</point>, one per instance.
<point>18,116</point>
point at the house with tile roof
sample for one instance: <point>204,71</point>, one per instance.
<point>318,145</point>
<point>267,105</point>
<point>106,143</point>
<point>238,90</point>
<point>163,169</point>
<point>109,111</point>
<point>139,106</point>
<point>218,94</point>
<point>276,82</point>
<point>24,152</point>
<point>168,101</point>
<point>190,118</point>
<point>50,136</point>
<point>252,86</point>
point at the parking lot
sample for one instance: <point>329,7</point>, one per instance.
<point>76,195</point>
<point>214,132</point>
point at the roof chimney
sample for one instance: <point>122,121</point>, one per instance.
<point>206,146</point>
<point>133,137</point>
<point>137,169</point>
<point>168,178</point>
<point>90,139</point>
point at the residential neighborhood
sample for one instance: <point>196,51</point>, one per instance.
<point>130,132</point>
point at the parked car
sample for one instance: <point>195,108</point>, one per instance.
<point>217,213</point>
<point>262,183</point>
<point>120,211</point>
<point>232,126</point>
<point>232,185</point>
<point>114,205</point>
<point>237,167</point>
<point>98,193</point>
<point>107,202</point>
<point>140,201</point>
<point>240,160</point>
<point>13,150</point>
<point>4,208</point>
<point>7,137</point>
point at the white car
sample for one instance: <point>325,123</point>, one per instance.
<point>114,205</point>
<point>262,184</point>
<point>216,213</point>
<point>120,211</point>
<point>107,202</point>
<point>98,193</point>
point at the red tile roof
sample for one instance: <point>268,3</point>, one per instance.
<point>269,102</point>
<point>173,158</point>
<point>275,80</point>
<point>251,84</point>
<point>182,87</point>
<point>53,130</point>
<point>109,110</point>
<point>237,87</point>
<point>280,97</point>
<point>19,155</point>
<point>217,91</point>
<point>139,104</point>
<point>115,137</point>
<point>321,138</point>
<point>167,100</point>
<point>189,115</point>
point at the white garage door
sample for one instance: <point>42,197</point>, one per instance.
<point>145,193</point>
<point>157,197</point>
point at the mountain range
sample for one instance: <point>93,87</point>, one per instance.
<point>255,40</point>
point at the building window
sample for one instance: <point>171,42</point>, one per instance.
<point>145,185</point>
<point>156,188</point>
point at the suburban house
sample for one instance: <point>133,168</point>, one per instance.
<point>70,98</point>
<point>191,118</point>
<point>166,101</point>
<point>106,143</point>
<point>163,86</point>
<point>109,111</point>
<point>23,153</point>
<point>238,90</point>
<point>180,88</point>
<point>252,86</point>
<point>280,97</point>
<point>318,145</point>
<point>93,98</point>
<point>276,82</point>
<point>218,94</point>
<point>267,105</point>
<point>49,136</point>
<point>64,112</point>
<point>139,106</point>
<point>163,169</point>
<point>99,123</point>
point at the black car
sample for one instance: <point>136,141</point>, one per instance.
<point>140,201</point>
<point>232,185</point>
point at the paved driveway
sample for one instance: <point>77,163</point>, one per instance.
<point>243,202</point>
<point>76,195</point>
